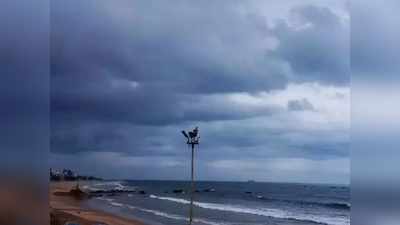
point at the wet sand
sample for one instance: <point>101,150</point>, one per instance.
<point>65,207</point>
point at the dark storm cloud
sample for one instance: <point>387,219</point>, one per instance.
<point>106,137</point>
<point>317,48</point>
<point>97,51</point>
<point>153,45</point>
<point>126,77</point>
<point>96,47</point>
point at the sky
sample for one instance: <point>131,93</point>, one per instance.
<point>267,82</point>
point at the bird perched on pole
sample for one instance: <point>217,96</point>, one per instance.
<point>193,134</point>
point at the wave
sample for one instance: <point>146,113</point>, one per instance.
<point>112,184</point>
<point>117,204</point>
<point>90,188</point>
<point>109,185</point>
<point>335,205</point>
<point>267,212</point>
<point>161,214</point>
<point>105,199</point>
<point>338,205</point>
<point>175,217</point>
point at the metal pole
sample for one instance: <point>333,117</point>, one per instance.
<point>192,191</point>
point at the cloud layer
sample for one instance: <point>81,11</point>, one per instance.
<point>127,77</point>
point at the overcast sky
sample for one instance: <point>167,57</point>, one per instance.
<point>267,82</point>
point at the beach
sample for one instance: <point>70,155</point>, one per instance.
<point>65,207</point>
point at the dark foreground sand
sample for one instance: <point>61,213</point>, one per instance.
<point>65,207</point>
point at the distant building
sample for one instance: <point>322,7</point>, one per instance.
<point>55,175</point>
<point>68,175</point>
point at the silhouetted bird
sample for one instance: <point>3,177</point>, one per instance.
<point>194,133</point>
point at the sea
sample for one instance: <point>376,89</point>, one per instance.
<point>226,203</point>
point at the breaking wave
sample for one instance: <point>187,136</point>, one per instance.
<point>267,212</point>
<point>159,213</point>
<point>109,185</point>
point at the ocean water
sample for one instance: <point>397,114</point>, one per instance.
<point>228,203</point>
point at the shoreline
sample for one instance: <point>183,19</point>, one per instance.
<point>64,207</point>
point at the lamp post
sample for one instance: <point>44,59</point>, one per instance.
<point>192,140</point>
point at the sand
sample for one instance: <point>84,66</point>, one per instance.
<point>64,207</point>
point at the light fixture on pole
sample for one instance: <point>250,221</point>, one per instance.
<point>192,140</point>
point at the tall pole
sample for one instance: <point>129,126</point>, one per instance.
<point>193,187</point>
<point>192,139</point>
